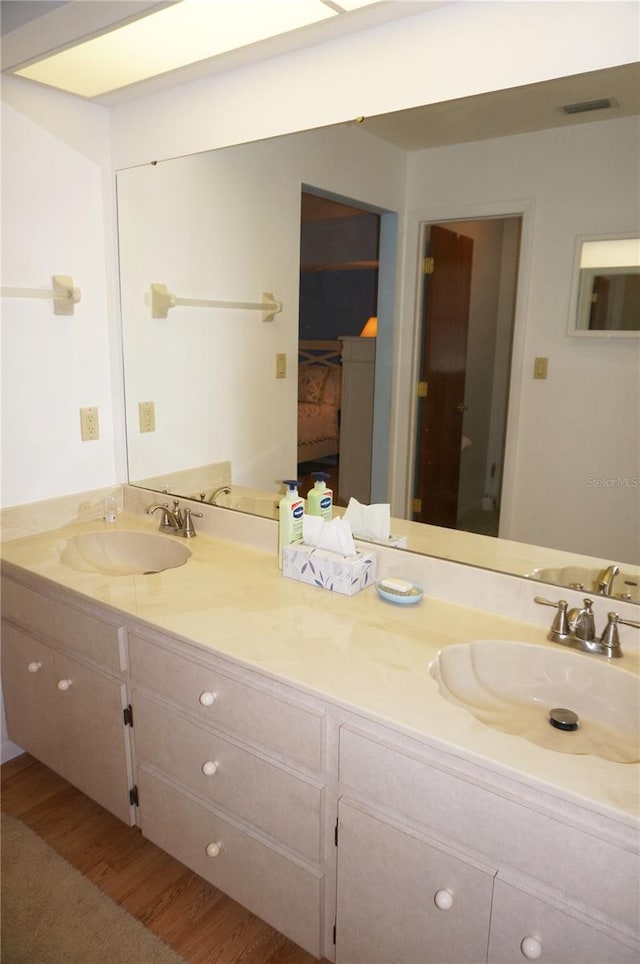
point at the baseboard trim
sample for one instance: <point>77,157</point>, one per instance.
<point>9,750</point>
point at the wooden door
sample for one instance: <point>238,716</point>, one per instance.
<point>446,321</point>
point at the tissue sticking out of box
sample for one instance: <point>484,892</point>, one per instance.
<point>368,521</point>
<point>335,536</point>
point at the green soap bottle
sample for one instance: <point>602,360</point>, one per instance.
<point>291,512</point>
<point>320,498</point>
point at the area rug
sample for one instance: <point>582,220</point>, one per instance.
<point>51,914</point>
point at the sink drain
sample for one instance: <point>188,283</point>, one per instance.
<point>563,719</point>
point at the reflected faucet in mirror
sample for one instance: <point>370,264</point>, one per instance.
<point>211,499</point>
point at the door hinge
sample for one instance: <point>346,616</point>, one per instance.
<point>335,928</point>
<point>128,715</point>
<point>422,389</point>
<point>428,265</point>
<point>335,834</point>
<point>416,506</point>
<point>134,799</point>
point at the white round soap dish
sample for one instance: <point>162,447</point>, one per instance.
<point>399,591</point>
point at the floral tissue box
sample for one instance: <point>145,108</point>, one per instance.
<point>329,570</point>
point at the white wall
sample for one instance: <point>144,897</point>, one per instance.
<point>582,423</point>
<point>225,225</point>
<point>56,219</point>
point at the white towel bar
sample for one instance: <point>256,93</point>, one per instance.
<point>63,294</point>
<point>160,301</point>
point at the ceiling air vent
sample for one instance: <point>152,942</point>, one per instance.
<point>586,105</point>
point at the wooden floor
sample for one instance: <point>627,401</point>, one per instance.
<point>199,922</point>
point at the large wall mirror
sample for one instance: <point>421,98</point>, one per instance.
<point>211,379</point>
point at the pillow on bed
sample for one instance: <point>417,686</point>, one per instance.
<point>311,382</point>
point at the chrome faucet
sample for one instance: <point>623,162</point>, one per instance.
<point>226,489</point>
<point>576,628</point>
<point>178,521</point>
<point>606,578</point>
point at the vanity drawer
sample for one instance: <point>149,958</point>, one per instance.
<point>58,623</point>
<point>264,794</point>
<point>488,822</point>
<point>288,728</point>
<point>561,937</point>
<point>280,891</point>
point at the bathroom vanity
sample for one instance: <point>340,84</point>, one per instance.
<point>290,746</point>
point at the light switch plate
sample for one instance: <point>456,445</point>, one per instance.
<point>281,365</point>
<point>540,367</point>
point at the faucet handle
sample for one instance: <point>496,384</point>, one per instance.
<point>188,528</point>
<point>610,638</point>
<point>560,626</point>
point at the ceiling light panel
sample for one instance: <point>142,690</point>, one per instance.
<point>188,32</point>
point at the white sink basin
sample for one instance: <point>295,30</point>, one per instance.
<point>124,553</point>
<point>512,686</point>
<point>624,584</point>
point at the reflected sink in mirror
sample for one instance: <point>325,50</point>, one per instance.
<point>124,553</point>
<point>626,584</point>
<point>512,686</point>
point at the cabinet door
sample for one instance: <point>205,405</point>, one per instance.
<point>525,927</point>
<point>94,738</point>
<point>402,900</point>
<point>30,696</point>
<point>69,717</point>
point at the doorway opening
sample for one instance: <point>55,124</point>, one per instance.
<point>470,270</point>
<point>339,262</point>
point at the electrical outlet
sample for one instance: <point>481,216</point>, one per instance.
<point>281,365</point>
<point>89,425</point>
<point>147,416</point>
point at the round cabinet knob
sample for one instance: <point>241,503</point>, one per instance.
<point>443,899</point>
<point>207,698</point>
<point>531,948</point>
<point>209,768</point>
<point>34,667</point>
<point>64,684</point>
<point>214,848</point>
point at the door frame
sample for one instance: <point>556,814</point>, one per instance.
<point>524,208</point>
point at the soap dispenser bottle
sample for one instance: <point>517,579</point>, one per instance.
<point>290,514</point>
<point>320,498</point>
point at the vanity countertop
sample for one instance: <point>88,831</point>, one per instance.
<point>360,652</point>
